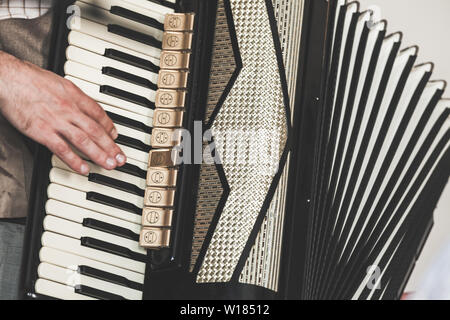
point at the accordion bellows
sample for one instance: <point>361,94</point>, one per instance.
<point>375,100</point>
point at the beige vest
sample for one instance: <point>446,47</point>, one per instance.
<point>28,40</point>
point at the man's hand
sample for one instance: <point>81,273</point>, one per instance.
<point>55,113</point>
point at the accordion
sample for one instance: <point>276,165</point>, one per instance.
<point>276,150</point>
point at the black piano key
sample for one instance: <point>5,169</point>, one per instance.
<point>133,143</point>
<point>133,170</point>
<point>130,123</point>
<point>122,75</point>
<point>131,60</point>
<point>113,202</point>
<point>164,3</point>
<point>134,35</point>
<point>110,228</point>
<point>97,294</point>
<point>109,277</point>
<point>134,16</point>
<point>112,248</point>
<point>116,184</point>
<point>124,95</point>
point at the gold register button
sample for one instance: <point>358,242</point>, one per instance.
<point>170,79</point>
<point>174,60</point>
<point>154,238</point>
<point>159,197</point>
<point>161,158</point>
<point>161,177</point>
<point>165,138</point>
<point>157,217</point>
<point>166,118</point>
<point>179,22</point>
<point>170,98</point>
<point>178,41</point>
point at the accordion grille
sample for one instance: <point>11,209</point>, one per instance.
<point>255,103</point>
<point>210,188</point>
<point>223,62</point>
<point>209,195</point>
<point>289,15</point>
<point>263,265</point>
<point>253,116</point>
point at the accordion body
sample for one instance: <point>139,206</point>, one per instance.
<point>316,152</point>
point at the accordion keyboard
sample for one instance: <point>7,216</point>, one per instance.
<point>90,245</point>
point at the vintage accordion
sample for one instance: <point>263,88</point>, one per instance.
<point>276,150</point>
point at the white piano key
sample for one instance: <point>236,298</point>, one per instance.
<point>138,182</point>
<point>92,75</point>
<point>78,231</point>
<point>73,278</point>
<point>66,244</point>
<point>78,198</point>
<point>130,160</point>
<point>101,32</point>
<point>98,61</point>
<point>73,262</point>
<point>136,157</point>
<point>139,164</point>
<point>134,154</point>
<point>129,132</point>
<point>146,7</point>
<point>99,46</point>
<point>81,183</point>
<point>127,114</point>
<point>105,17</point>
<point>58,291</point>
<point>93,91</point>
<point>77,214</point>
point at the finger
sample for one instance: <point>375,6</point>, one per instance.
<point>63,151</point>
<point>42,134</point>
<point>98,134</point>
<point>83,142</point>
<point>95,112</point>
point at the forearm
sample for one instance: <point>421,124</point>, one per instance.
<point>15,75</point>
<point>8,64</point>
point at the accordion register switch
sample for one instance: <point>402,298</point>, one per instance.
<point>168,116</point>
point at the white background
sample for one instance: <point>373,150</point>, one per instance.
<point>425,23</point>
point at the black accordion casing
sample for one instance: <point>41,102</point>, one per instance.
<point>264,230</point>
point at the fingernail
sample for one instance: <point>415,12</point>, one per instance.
<point>114,133</point>
<point>110,163</point>
<point>120,158</point>
<point>84,169</point>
